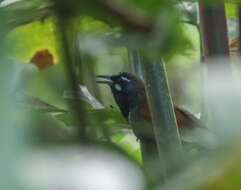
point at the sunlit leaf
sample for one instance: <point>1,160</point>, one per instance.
<point>231,10</point>
<point>129,143</point>
<point>26,40</point>
<point>152,6</point>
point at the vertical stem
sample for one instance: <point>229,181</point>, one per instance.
<point>163,117</point>
<point>204,107</point>
<point>214,29</point>
<point>89,74</point>
<point>214,35</point>
<point>239,16</point>
<point>135,62</point>
<point>77,106</point>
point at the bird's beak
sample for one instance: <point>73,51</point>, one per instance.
<point>108,80</point>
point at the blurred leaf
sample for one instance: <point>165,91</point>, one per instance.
<point>107,116</point>
<point>47,129</point>
<point>189,12</point>
<point>36,104</point>
<point>226,177</point>
<point>129,143</point>
<point>192,55</point>
<point>27,11</point>
<point>231,10</point>
<point>151,6</point>
<point>89,25</point>
<point>26,40</point>
<point>67,118</point>
<point>47,84</point>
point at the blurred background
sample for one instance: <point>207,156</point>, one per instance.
<point>61,130</point>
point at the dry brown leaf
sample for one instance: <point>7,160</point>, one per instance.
<point>234,46</point>
<point>42,59</point>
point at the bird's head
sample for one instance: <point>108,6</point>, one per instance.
<point>128,90</point>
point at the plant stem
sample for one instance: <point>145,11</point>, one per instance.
<point>214,29</point>
<point>135,62</point>
<point>163,117</point>
<point>214,35</point>
<point>77,106</point>
<point>239,16</point>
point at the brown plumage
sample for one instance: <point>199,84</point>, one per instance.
<point>185,120</point>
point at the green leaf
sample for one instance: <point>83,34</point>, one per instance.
<point>26,40</point>
<point>129,144</point>
<point>36,104</point>
<point>231,10</point>
<point>151,6</point>
<point>107,116</point>
<point>27,11</point>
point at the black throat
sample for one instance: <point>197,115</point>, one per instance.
<point>130,102</point>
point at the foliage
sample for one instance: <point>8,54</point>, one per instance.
<point>98,36</point>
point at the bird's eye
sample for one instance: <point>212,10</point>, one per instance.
<point>118,87</point>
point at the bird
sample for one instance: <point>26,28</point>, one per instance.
<point>130,95</point>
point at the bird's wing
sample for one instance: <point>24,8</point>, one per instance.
<point>193,131</point>
<point>185,119</point>
<point>190,127</point>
